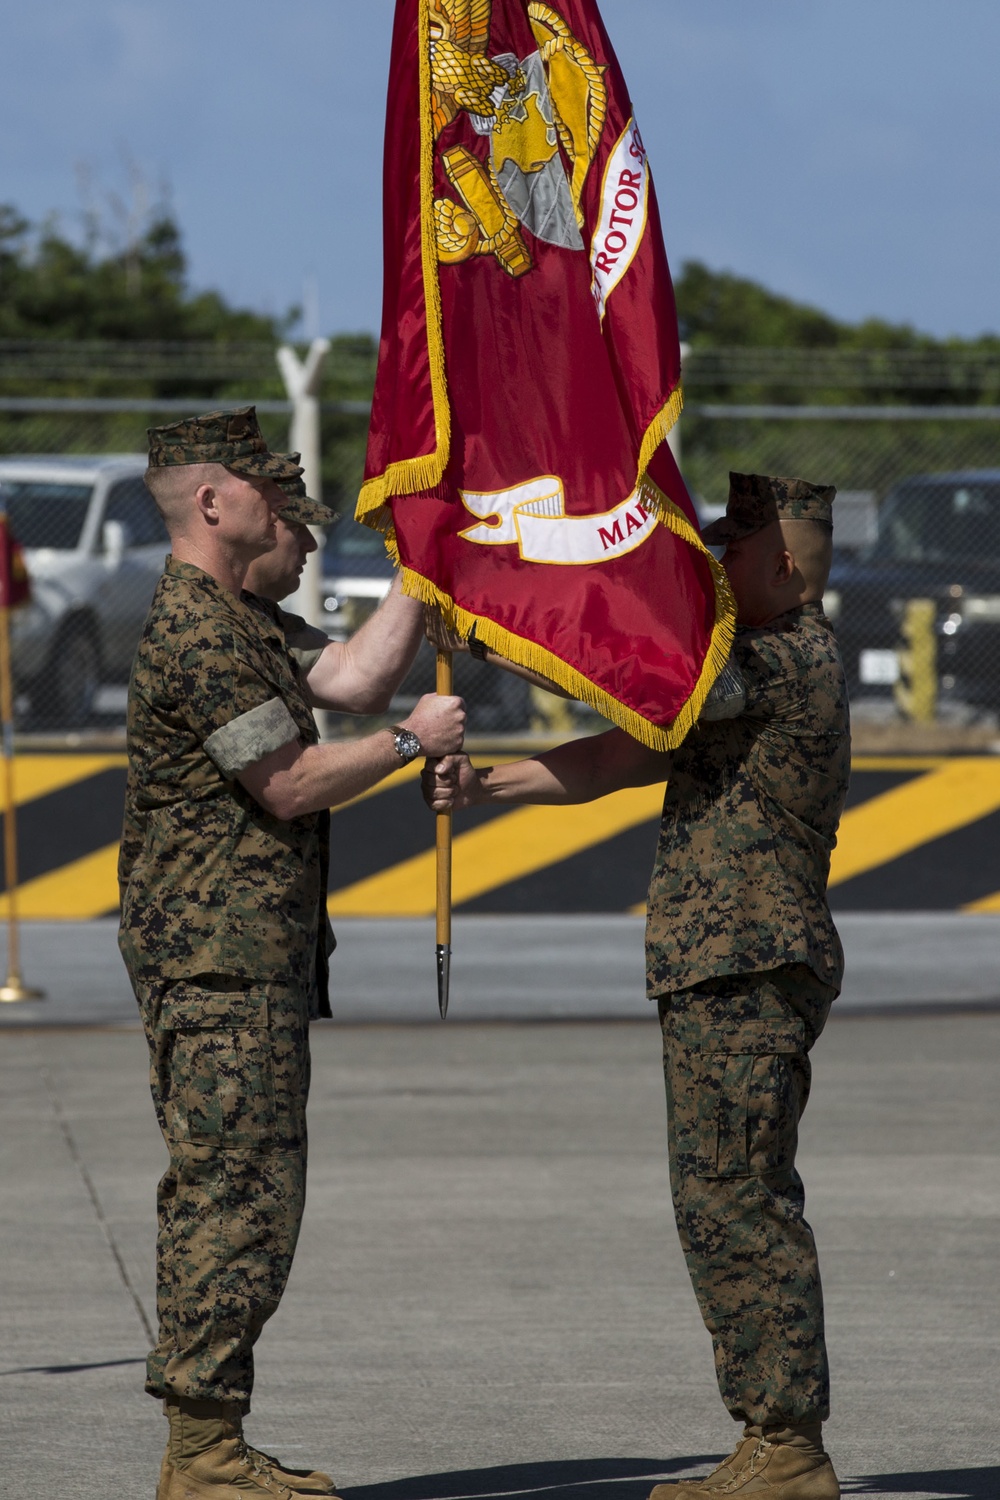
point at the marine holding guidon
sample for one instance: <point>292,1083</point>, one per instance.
<point>224,930</point>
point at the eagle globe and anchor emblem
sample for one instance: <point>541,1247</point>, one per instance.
<point>528,108</point>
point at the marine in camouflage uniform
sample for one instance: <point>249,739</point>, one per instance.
<point>225,938</point>
<point>222,938</point>
<point>744,961</point>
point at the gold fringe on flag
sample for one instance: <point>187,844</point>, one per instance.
<point>411,476</point>
<point>529,654</point>
<point>425,471</point>
<point>659,430</point>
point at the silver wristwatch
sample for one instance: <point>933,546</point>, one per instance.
<point>408,747</point>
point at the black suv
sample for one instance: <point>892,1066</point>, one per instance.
<point>939,540</point>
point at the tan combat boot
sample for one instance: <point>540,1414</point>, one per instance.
<point>786,1463</point>
<point>207,1458</point>
<point>679,1489</point>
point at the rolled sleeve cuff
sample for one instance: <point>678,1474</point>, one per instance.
<point>247,739</point>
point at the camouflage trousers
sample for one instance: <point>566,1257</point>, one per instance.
<point>736,1062</point>
<point>229,1073</point>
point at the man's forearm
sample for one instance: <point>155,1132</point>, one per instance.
<point>302,779</point>
<point>580,771</point>
<point>330,774</point>
<point>295,779</point>
<point>361,675</point>
<point>536,679</point>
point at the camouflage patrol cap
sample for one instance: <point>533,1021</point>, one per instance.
<point>232,438</point>
<point>302,509</point>
<point>755,500</point>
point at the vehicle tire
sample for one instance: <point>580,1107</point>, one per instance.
<point>66,694</point>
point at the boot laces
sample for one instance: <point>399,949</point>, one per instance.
<point>259,1467</point>
<point>727,1462</point>
<point>749,1469</point>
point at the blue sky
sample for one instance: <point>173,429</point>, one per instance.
<point>845,154</point>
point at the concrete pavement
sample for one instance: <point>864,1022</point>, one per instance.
<point>489,1297</point>
<point>527,968</point>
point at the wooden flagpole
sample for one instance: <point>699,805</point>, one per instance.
<point>14,989</point>
<point>445,683</point>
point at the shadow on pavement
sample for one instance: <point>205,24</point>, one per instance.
<point>106,1364</point>
<point>583,1479</point>
<point>952,1484</point>
<point>578,1479</point>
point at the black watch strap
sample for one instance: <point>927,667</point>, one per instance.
<point>477,648</point>
<point>408,746</point>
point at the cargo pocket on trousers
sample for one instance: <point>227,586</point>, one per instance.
<point>749,1098</point>
<point>221,1085</point>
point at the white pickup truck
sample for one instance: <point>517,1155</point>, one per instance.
<point>94,544</point>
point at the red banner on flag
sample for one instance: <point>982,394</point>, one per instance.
<point>529,367</point>
<point>14,585</point>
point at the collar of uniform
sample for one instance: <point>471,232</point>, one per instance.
<point>265,623</point>
<point>788,621</point>
<point>793,616</point>
<point>193,574</point>
<point>267,613</point>
<point>262,605</point>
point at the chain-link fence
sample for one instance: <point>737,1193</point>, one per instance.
<point>71,471</point>
<point>915,589</point>
<point>915,592</point>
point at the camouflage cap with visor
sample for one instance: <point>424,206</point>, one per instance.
<point>232,438</point>
<point>755,500</point>
<point>302,509</point>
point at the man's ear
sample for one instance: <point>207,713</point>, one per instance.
<point>206,499</point>
<point>784,567</point>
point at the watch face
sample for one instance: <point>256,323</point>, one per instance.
<point>408,747</point>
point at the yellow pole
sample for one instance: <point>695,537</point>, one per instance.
<point>917,689</point>
<point>445,680</point>
<point>15,988</point>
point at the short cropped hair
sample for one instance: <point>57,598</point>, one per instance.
<point>811,544</point>
<point>172,487</point>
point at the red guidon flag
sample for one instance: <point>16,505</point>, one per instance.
<point>529,365</point>
<point>15,588</point>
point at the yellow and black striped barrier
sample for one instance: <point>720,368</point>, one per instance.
<point>919,833</point>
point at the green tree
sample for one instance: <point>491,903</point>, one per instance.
<point>52,288</point>
<point>83,320</point>
<point>719,310</point>
<point>751,346</point>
